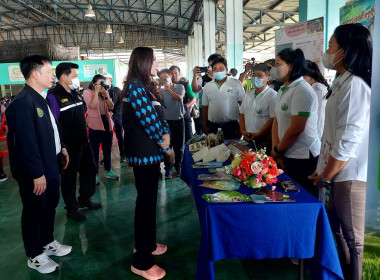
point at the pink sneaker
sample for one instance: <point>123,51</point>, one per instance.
<point>153,273</point>
<point>160,250</point>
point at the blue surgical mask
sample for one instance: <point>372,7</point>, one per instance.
<point>220,75</point>
<point>257,83</point>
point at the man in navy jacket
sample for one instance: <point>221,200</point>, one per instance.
<point>36,154</point>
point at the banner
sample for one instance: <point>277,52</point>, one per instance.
<point>307,36</point>
<point>359,11</point>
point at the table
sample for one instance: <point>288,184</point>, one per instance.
<point>272,230</point>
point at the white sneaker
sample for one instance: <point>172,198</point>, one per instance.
<point>57,249</point>
<point>43,264</point>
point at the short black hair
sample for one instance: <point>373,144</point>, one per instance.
<point>32,62</point>
<point>164,71</point>
<point>212,57</point>
<point>271,62</point>
<point>297,59</point>
<point>65,68</point>
<point>174,67</point>
<point>219,59</point>
<point>262,67</point>
<point>233,71</point>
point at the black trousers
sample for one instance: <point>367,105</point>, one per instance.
<point>82,161</point>
<point>177,141</point>
<point>38,215</point>
<point>230,129</point>
<point>146,180</point>
<point>188,129</point>
<point>98,137</point>
<point>118,127</point>
<point>299,169</point>
<point>199,124</point>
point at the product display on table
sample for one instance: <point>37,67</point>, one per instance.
<point>221,185</point>
<point>218,176</point>
<point>289,186</point>
<point>206,165</point>
<point>263,195</point>
<point>236,148</point>
<point>195,147</point>
<point>219,153</point>
<point>196,138</point>
<point>226,197</point>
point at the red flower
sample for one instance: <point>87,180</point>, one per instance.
<point>245,164</point>
<point>243,177</point>
<point>268,180</point>
<point>273,171</point>
<point>274,180</point>
<point>236,172</point>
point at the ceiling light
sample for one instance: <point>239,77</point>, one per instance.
<point>89,12</point>
<point>108,29</point>
<point>121,41</point>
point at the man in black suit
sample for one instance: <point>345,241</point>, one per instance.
<point>36,154</point>
<point>68,108</point>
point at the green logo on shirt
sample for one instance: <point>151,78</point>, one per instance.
<point>40,113</point>
<point>284,107</point>
<point>229,91</point>
<point>259,111</point>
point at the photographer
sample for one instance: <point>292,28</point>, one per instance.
<point>100,123</point>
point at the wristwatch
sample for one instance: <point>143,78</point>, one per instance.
<point>324,182</point>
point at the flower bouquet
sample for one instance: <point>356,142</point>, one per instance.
<point>254,169</point>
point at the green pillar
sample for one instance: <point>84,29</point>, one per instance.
<point>329,9</point>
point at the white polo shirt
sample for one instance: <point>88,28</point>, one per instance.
<point>222,101</point>
<point>258,108</point>
<point>299,99</point>
<point>346,131</point>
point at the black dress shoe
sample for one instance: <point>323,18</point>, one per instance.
<point>90,205</point>
<point>76,216</point>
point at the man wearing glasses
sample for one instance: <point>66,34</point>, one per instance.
<point>257,109</point>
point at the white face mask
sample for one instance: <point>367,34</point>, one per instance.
<point>275,73</point>
<point>169,80</point>
<point>328,60</point>
<point>107,82</point>
<point>75,84</point>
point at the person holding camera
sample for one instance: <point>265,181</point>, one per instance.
<point>100,123</point>
<point>173,95</point>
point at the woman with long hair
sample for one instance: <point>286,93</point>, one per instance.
<point>315,78</point>
<point>146,144</point>
<point>294,131</point>
<point>342,165</point>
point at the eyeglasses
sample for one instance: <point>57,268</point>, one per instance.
<point>259,76</point>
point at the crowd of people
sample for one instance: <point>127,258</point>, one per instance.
<point>283,105</point>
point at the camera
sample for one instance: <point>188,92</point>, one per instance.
<point>203,69</point>
<point>161,81</point>
<point>253,63</point>
<point>106,87</point>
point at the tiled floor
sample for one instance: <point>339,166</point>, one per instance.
<point>102,245</point>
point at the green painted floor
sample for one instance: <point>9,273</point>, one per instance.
<point>102,245</point>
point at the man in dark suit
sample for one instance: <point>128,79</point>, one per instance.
<point>68,108</point>
<point>36,154</point>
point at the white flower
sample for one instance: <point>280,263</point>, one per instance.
<point>256,167</point>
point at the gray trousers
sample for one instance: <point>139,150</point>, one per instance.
<point>346,211</point>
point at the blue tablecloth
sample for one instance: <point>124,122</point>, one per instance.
<point>272,230</point>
